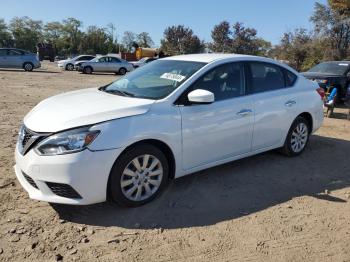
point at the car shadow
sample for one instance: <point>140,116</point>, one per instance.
<point>34,71</point>
<point>101,74</point>
<point>232,190</point>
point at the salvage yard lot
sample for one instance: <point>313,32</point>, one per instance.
<point>263,208</point>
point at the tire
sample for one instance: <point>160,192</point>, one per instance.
<point>122,71</point>
<point>125,178</point>
<point>87,70</point>
<point>28,67</point>
<point>297,137</point>
<point>69,67</point>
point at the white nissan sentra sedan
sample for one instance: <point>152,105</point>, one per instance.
<point>177,115</point>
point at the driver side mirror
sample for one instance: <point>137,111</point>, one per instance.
<point>201,96</point>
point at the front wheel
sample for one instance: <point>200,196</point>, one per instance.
<point>297,138</point>
<point>138,176</point>
<point>87,70</point>
<point>69,67</point>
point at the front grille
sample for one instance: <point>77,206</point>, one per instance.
<point>30,180</point>
<point>28,138</point>
<point>63,190</point>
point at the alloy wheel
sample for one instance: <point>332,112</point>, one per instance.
<point>28,67</point>
<point>299,137</point>
<point>141,178</point>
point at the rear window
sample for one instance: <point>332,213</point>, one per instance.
<point>266,77</point>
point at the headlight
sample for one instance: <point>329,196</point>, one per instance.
<point>67,142</point>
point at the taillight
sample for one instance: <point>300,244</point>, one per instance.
<point>321,92</point>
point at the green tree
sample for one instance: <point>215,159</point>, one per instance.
<point>71,34</point>
<point>26,32</point>
<point>144,40</point>
<point>181,40</point>
<point>5,36</point>
<point>332,22</point>
<point>94,41</point>
<point>129,40</point>
<point>221,35</point>
<point>240,40</point>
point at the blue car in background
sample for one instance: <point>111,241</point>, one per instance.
<point>17,58</point>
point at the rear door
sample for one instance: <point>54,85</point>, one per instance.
<point>101,65</point>
<point>275,103</point>
<point>114,64</point>
<point>223,129</point>
<point>15,58</point>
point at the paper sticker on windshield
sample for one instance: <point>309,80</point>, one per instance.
<point>343,64</point>
<point>173,77</point>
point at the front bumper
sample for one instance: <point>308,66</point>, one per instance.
<point>85,172</point>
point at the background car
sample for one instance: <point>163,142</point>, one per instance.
<point>77,64</point>
<point>332,73</point>
<point>106,64</point>
<point>18,58</point>
<point>143,61</point>
<point>68,64</point>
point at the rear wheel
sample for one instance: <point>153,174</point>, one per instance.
<point>138,176</point>
<point>297,138</point>
<point>28,67</point>
<point>122,71</point>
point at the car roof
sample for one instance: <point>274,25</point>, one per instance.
<point>205,58</point>
<point>213,57</point>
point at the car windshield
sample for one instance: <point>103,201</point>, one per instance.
<point>338,68</point>
<point>155,80</point>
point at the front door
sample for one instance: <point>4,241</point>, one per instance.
<point>223,129</point>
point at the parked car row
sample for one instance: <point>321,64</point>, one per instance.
<point>88,64</point>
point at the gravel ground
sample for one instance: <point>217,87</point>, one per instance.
<point>262,208</point>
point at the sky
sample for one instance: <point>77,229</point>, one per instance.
<point>271,18</point>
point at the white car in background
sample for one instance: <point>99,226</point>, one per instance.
<point>106,64</point>
<point>143,61</point>
<point>175,116</point>
<point>68,64</point>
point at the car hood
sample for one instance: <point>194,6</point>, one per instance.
<point>319,75</point>
<point>82,107</point>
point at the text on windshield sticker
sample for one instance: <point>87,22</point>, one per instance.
<point>174,77</point>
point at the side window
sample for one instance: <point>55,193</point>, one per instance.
<point>82,58</point>
<point>3,52</point>
<point>266,77</point>
<point>225,81</point>
<point>290,78</point>
<point>114,60</point>
<point>103,59</point>
<point>13,52</point>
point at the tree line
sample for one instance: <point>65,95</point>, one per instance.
<point>301,48</point>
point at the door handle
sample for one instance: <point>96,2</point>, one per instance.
<point>290,103</point>
<point>244,112</point>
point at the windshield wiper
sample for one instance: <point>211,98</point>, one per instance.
<point>119,92</point>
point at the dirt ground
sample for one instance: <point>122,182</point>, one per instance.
<point>263,208</point>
